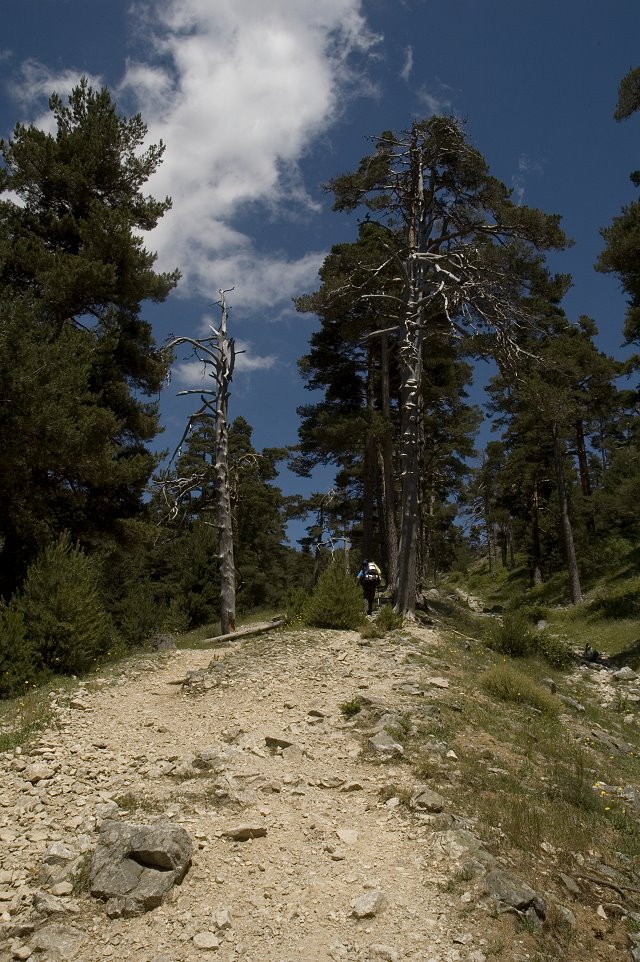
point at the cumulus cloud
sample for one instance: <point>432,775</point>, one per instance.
<point>238,90</point>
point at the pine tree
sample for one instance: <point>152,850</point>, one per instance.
<point>463,253</point>
<point>78,365</point>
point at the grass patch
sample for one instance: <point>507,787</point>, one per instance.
<point>510,685</point>
<point>351,708</point>
<point>138,803</point>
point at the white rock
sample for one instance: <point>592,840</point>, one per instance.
<point>206,941</point>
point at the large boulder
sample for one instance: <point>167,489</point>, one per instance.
<point>134,866</point>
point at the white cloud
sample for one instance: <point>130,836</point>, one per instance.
<point>238,90</point>
<point>438,103</point>
<point>526,165</point>
<point>34,84</point>
<point>407,67</point>
<point>194,375</point>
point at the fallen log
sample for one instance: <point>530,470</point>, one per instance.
<point>245,632</point>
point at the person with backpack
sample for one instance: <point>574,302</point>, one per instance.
<point>370,578</point>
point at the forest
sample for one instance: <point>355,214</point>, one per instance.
<point>105,544</point>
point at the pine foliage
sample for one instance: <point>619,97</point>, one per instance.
<point>336,601</point>
<point>64,617</point>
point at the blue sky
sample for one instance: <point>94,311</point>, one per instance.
<point>261,101</point>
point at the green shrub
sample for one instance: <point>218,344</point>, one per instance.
<point>351,708</point>
<point>17,663</point>
<point>556,651</point>
<point>513,636</point>
<point>387,619</point>
<point>62,610</point>
<point>297,598</point>
<point>336,601</point>
<point>509,684</point>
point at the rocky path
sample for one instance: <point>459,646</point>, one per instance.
<point>336,869</point>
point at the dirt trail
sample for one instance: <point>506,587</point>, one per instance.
<point>331,837</point>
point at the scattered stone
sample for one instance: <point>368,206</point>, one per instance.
<point>510,893</point>
<point>206,941</point>
<point>58,943</point>
<point>332,782</point>
<point>625,674</point>
<point>384,744</point>
<point>222,919</point>
<point>438,682</point>
<point>37,773</point>
<point>242,833</point>
<point>276,741</point>
<point>428,801</point>
<point>51,905</point>
<point>569,883</point>
<point>347,835</point>
<point>382,953</point>
<point>368,905</point>
<point>352,787</point>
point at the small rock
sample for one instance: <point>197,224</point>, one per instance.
<point>242,833</point>
<point>347,835</point>
<point>22,953</point>
<point>384,744</point>
<point>206,941</point>
<point>222,919</point>
<point>368,905</point>
<point>384,953</point>
<point>351,787</point>
<point>62,888</point>
<point>429,801</point>
<point>276,741</point>
<point>625,674</point>
<point>438,682</point>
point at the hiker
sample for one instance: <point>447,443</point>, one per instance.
<point>369,577</point>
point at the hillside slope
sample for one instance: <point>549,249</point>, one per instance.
<point>373,777</point>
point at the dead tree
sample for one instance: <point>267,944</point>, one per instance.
<point>217,354</point>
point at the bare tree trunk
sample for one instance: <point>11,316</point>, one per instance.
<point>410,349</point>
<point>572,563</point>
<point>224,370</point>
<point>369,468</point>
<point>388,478</point>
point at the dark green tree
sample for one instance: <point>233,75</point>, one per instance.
<point>621,254</point>
<point>463,254</point>
<point>78,365</point>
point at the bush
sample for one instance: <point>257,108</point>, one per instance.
<point>17,664</point>
<point>509,684</point>
<point>512,636</point>
<point>556,651</point>
<point>62,610</point>
<point>516,637</point>
<point>336,601</point>
<point>297,598</point>
<point>387,619</point>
